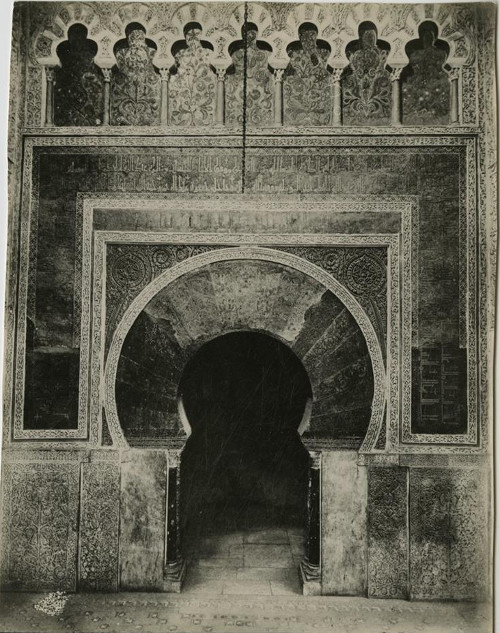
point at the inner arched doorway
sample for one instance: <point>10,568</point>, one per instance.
<point>244,468</point>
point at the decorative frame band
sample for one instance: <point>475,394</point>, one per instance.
<point>472,441</point>
<point>245,253</point>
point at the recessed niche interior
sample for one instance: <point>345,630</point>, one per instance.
<point>244,468</point>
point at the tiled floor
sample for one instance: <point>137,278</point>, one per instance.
<point>179,613</point>
<point>248,562</point>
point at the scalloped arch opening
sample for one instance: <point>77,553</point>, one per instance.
<point>251,295</point>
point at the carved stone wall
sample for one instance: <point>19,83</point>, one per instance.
<point>99,523</point>
<point>438,317</point>
<point>449,540</point>
<point>346,106</point>
<point>313,54</point>
<point>40,525</point>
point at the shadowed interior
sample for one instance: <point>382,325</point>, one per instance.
<point>244,465</point>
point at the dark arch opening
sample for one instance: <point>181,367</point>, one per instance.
<point>244,468</point>
<point>130,28</point>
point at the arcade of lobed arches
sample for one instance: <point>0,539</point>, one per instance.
<point>306,65</point>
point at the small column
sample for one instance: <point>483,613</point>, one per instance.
<point>219,100</point>
<point>278,96</point>
<point>175,566</point>
<point>310,567</point>
<point>107,98</point>
<point>165,77</point>
<point>337,96</point>
<point>49,103</point>
<point>453,75</point>
<point>396,96</point>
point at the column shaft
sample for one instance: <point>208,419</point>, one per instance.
<point>453,75</point>
<point>278,96</point>
<point>165,76</point>
<point>337,97</point>
<point>49,103</point>
<point>219,100</point>
<point>175,567</point>
<point>310,567</point>
<point>107,95</point>
<point>396,118</point>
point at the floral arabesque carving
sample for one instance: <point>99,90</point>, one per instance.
<point>135,86</point>
<point>192,86</point>
<point>259,89</point>
<point>98,552</point>
<point>366,274</point>
<point>366,86</point>
<point>41,518</point>
<point>426,87</point>
<point>307,84</point>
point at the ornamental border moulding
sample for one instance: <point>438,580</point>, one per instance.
<point>196,202</point>
<point>406,205</point>
<point>278,25</point>
<point>233,134</point>
<point>233,252</point>
<point>467,191</point>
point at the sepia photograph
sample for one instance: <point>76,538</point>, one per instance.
<point>249,330</point>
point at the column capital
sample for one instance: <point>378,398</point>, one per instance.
<point>174,457</point>
<point>337,74</point>
<point>221,73</point>
<point>278,74</point>
<point>164,74</point>
<point>396,73</point>
<point>453,73</point>
<point>315,459</point>
<point>106,74</point>
<point>50,73</point>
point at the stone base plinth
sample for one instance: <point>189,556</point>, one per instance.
<point>310,576</point>
<point>174,576</point>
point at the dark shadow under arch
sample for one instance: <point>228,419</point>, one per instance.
<point>244,466</point>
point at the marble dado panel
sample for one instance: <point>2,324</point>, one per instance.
<point>40,525</point>
<point>343,524</point>
<point>143,497</point>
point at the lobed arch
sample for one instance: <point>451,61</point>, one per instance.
<point>254,254</point>
<point>259,15</point>
<point>337,25</point>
